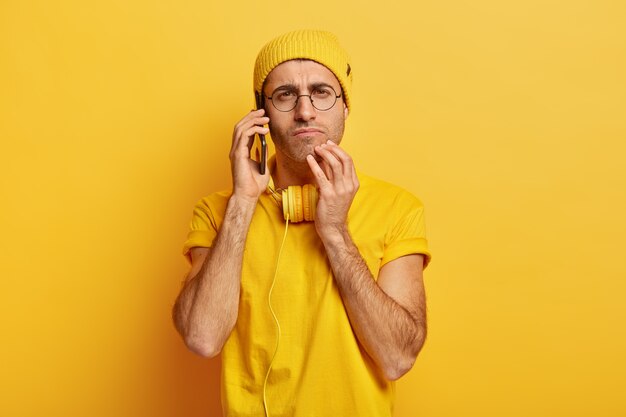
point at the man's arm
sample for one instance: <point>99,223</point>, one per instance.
<point>206,309</point>
<point>389,315</point>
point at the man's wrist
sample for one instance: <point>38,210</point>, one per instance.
<point>241,208</point>
<point>334,235</point>
<point>244,202</point>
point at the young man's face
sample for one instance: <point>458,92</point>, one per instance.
<point>297,132</point>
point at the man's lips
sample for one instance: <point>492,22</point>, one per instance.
<point>307,131</point>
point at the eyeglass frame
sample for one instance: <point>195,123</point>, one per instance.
<point>302,95</point>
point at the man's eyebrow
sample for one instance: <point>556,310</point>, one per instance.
<point>286,87</point>
<point>316,85</point>
<point>294,87</point>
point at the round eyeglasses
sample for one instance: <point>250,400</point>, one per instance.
<point>286,99</point>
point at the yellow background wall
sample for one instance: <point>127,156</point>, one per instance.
<point>507,118</point>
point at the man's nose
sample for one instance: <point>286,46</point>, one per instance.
<point>304,108</point>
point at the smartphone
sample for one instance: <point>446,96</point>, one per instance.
<point>259,105</point>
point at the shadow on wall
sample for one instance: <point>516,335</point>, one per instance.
<point>193,382</point>
<point>185,384</point>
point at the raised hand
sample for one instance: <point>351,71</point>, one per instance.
<point>338,183</point>
<point>248,183</point>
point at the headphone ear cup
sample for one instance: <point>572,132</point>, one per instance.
<point>286,205</point>
<point>290,209</point>
<point>285,200</point>
<point>309,202</point>
<point>306,203</point>
<point>299,203</point>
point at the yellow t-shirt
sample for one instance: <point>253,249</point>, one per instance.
<point>320,368</point>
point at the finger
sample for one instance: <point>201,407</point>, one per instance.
<point>346,160</point>
<point>240,125</point>
<point>332,161</point>
<point>244,142</point>
<point>251,132</point>
<point>324,165</point>
<point>251,115</point>
<point>327,170</point>
<point>319,175</point>
<point>246,123</point>
<point>258,122</point>
<point>262,120</point>
<point>255,117</point>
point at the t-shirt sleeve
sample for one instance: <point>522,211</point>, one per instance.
<point>407,233</point>
<point>202,228</point>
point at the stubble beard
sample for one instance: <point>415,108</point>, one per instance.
<point>297,149</point>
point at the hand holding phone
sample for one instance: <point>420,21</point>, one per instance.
<point>259,105</point>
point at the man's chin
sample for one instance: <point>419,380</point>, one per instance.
<point>299,154</point>
<point>305,151</point>
<point>300,157</point>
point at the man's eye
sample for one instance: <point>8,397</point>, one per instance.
<point>285,95</point>
<point>321,92</point>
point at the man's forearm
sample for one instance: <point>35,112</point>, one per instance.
<point>390,334</point>
<point>206,309</point>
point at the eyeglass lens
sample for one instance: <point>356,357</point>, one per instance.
<point>286,99</point>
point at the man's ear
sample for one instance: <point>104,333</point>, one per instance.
<point>345,111</point>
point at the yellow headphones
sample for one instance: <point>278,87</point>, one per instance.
<point>298,202</point>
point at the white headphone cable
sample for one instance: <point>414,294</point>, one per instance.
<point>269,303</point>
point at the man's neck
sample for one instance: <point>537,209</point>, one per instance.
<point>289,172</point>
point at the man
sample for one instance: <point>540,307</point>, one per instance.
<point>315,318</point>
